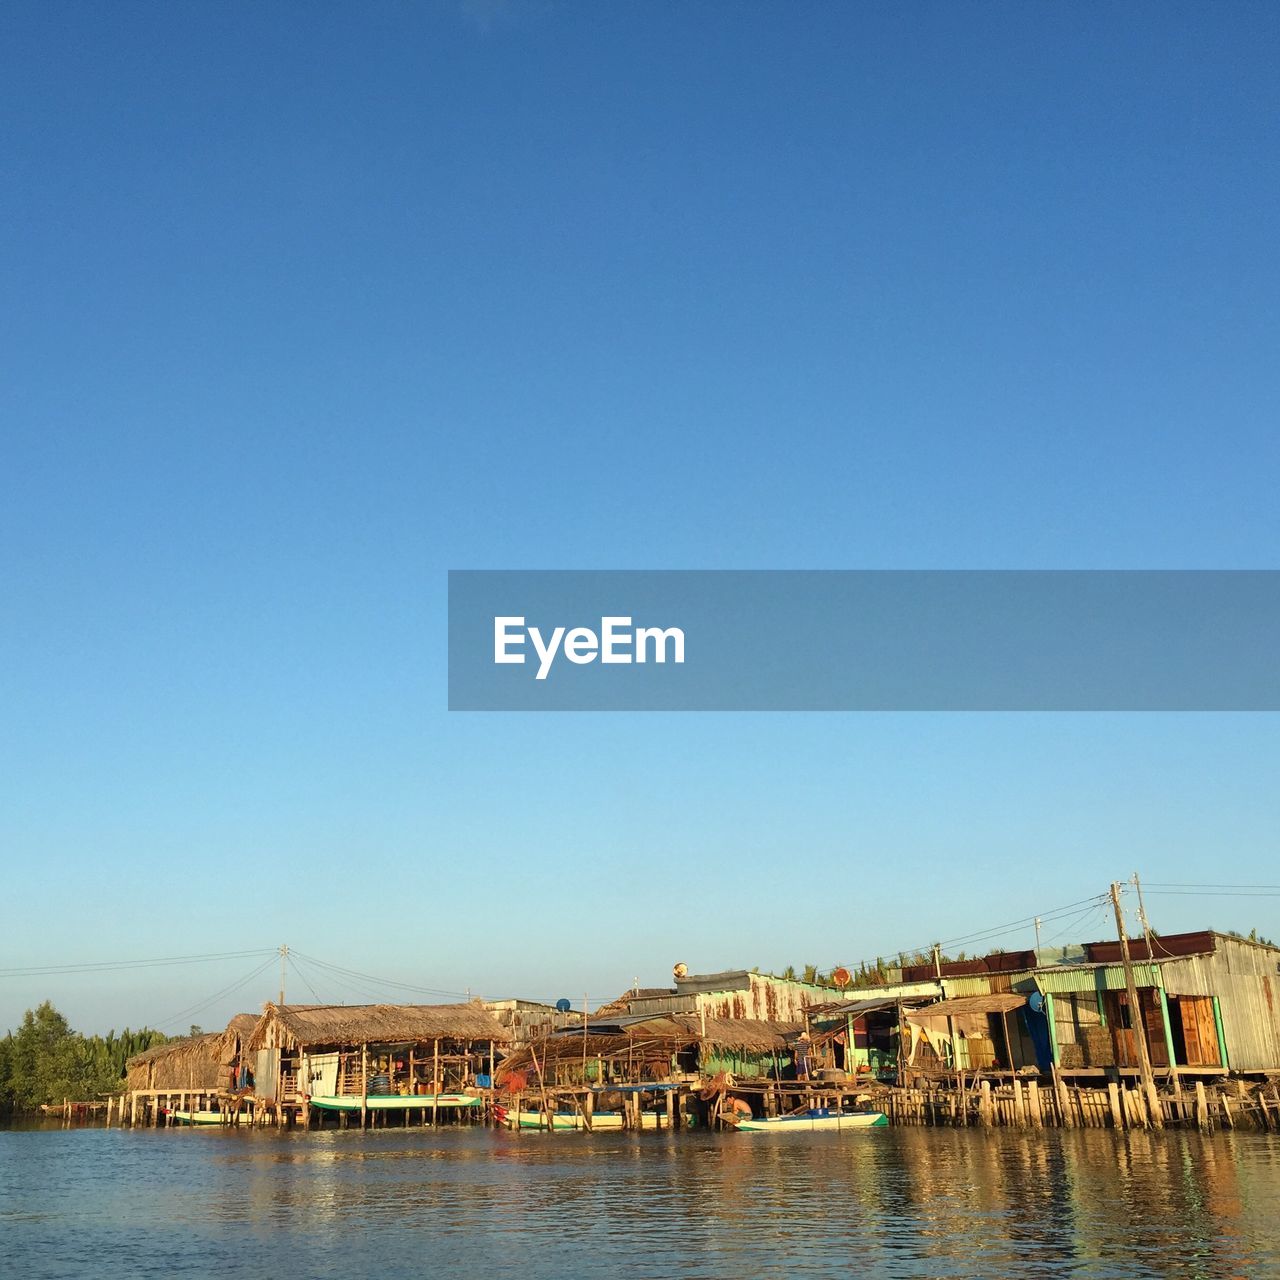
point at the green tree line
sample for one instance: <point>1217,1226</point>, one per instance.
<point>46,1061</point>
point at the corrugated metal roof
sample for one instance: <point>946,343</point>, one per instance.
<point>1066,979</point>
<point>999,1002</point>
<point>729,980</point>
<point>856,1008</point>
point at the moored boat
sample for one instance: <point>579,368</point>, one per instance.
<point>394,1101</point>
<point>601,1121</point>
<point>176,1116</point>
<point>816,1119</point>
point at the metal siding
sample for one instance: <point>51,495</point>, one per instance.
<point>264,1074</point>
<point>1244,978</point>
<point>1109,978</point>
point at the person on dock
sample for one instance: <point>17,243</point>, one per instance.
<point>802,1056</point>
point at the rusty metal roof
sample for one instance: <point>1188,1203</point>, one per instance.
<point>999,1002</point>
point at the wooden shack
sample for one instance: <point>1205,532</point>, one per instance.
<point>379,1058</point>
<point>192,1063</point>
<point>638,1049</point>
<point>1208,1005</point>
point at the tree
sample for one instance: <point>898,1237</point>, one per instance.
<point>46,1061</point>
<point>42,1058</point>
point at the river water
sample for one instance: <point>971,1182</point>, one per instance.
<point>878,1203</point>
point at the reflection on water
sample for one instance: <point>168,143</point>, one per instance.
<point>883,1203</point>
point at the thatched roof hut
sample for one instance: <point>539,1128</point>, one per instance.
<point>750,1035</point>
<point>300,1026</point>
<point>637,1036</point>
<point>193,1062</point>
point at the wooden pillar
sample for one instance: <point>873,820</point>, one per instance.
<point>435,1082</point>
<point>364,1085</point>
<point>1202,1107</point>
<point>1113,1096</point>
<point>1066,1119</point>
<point>984,1104</point>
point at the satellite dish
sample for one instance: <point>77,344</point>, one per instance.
<point>680,970</point>
<point>563,1005</point>
<point>841,977</point>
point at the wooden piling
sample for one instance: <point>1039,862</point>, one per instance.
<point>1113,1096</point>
<point>1033,1104</point>
<point>1202,1108</point>
<point>364,1085</point>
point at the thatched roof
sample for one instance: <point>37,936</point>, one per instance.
<point>209,1042</point>
<point>664,1032</point>
<point>194,1062</point>
<point>296,1025</point>
<point>241,1025</point>
<point>191,1061</point>
<point>755,1035</point>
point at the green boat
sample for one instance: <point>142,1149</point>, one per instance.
<point>394,1101</point>
<point>817,1119</point>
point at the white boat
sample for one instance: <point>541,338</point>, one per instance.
<point>394,1101</point>
<point>819,1119</point>
<point>207,1117</point>
<point>601,1121</point>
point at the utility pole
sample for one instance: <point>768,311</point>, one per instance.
<point>1149,938</point>
<point>284,956</point>
<point>1142,917</point>
<point>1136,1022</point>
<point>1037,939</point>
<point>951,1022</point>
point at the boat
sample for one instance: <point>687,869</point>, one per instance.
<point>207,1117</point>
<point>816,1119</point>
<point>394,1101</point>
<point>601,1121</point>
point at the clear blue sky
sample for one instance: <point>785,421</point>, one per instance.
<point>303,305</point>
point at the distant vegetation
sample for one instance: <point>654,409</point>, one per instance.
<point>46,1061</point>
<point>1252,936</point>
<point>868,973</point>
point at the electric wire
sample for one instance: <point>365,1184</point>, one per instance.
<point>231,989</point>
<point>111,966</point>
<point>295,968</point>
<point>996,931</point>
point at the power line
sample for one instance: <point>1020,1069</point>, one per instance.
<point>112,966</point>
<point>996,931</point>
<point>296,969</point>
<point>1088,915</point>
<point>183,1014</point>
<point>1159,884</point>
<point>1212,893</point>
<point>382,982</point>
